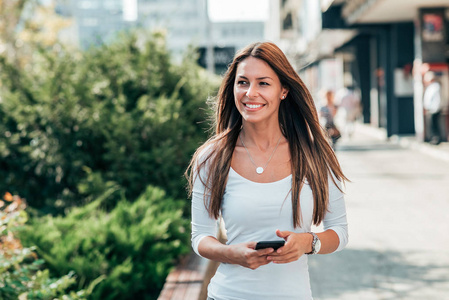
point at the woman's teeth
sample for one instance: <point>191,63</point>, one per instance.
<point>253,105</point>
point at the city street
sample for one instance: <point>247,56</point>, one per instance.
<point>398,213</point>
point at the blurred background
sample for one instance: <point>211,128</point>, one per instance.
<point>103,103</point>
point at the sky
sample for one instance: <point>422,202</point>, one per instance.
<point>238,10</point>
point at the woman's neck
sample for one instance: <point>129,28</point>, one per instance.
<point>259,136</point>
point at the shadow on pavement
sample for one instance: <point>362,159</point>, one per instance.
<point>368,147</point>
<point>385,274</point>
<point>421,177</point>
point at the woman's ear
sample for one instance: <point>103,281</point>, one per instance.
<point>284,93</point>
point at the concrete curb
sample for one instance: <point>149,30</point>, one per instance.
<point>407,141</point>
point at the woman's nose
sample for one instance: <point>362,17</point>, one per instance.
<point>251,92</point>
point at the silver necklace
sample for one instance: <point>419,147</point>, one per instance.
<point>259,170</point>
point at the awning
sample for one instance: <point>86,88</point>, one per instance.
<point>386,11</point>
<point>325,44</point>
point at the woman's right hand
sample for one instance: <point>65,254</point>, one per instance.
<point>244,254</point>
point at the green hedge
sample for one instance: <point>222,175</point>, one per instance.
<point>100,140</point>
<point>125,112</point>
<point>22,274</point>
<point>130,249</point>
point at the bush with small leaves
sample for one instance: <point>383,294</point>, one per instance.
<point>22,274</point>
<point>133,246</point>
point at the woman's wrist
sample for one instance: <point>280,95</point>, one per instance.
<point>309,243</point>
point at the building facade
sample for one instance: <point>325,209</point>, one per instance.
<point>186,23</point>
<point>383,48</point>
<point>95,21</point>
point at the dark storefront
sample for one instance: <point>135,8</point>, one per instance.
<point>383,58</point>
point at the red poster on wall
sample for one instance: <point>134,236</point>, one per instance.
<point>433,27</point>
<point>433,30</point>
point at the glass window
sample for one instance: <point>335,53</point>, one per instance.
<point>90,22</point>
<point>86,4</point>
<point>112,4</point>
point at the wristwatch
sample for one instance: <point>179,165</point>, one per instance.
<point>316,244</point>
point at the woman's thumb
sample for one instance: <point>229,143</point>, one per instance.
<point>282,234</point>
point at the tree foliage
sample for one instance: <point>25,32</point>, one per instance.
<point>27,24</point>
<point>123,113</point>
<point>98,142</point>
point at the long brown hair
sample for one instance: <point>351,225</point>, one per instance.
<point>312,157</point>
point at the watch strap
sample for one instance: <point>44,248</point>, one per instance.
<point>314,241</point>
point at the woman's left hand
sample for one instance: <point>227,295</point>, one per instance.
<point>296,244</point>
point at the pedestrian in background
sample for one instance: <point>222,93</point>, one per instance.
<point>432,107</point>
<point>327,113</point>
<point>348,99</point>
<point>270,173</point>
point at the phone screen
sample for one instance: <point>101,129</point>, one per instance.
<point>270,244</point>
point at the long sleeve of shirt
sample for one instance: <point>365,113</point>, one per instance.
<point>335,218</point>
<point>202,224</point>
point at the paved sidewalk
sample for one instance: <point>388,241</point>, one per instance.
<point>397,204</point>
<point>440,151</point>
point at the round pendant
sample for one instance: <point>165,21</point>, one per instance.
<point>259,170</point>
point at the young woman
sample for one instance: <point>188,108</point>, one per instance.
<point>270,173</point>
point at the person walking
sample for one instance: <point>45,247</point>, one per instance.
<point>348,99</point>
<point>269,173</point>
<point>432,107</point>
<point>327,113</point>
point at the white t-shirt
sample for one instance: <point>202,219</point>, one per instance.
<point>432,98</point>
<point>252,212</point>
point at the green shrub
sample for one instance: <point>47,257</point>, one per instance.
<point>22,273</point>
<point>123,112</point>
<point>133,246</point>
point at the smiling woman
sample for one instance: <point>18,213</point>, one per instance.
<point>268,149</point>
<point>258,91</point>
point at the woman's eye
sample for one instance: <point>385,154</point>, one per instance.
<point>241,82</point>
<point>264,83</point>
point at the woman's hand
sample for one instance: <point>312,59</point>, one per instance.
<point>244,254</point>
<point>296,244</point>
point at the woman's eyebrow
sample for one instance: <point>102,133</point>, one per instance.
<point>258,78</point>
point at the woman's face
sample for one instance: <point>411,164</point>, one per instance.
<point>257,91</point>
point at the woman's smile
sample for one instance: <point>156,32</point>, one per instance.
<point>253,106</point>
